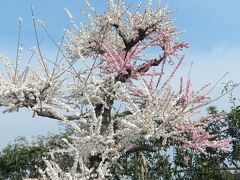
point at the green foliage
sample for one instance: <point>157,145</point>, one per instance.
<point>21,159</point>
<point>233,130</point>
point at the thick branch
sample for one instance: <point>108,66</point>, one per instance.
<point>142,33</point>
<point>103,111</point>
<point>146,66</point>
<point>143,147</point>
<point>129,43</point>
<point>140,69</point>
<point>30,101</point>
<point>123,114</point>
<point>106,115</point>
<point>55,115</point>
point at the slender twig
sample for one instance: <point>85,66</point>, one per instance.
<point>59,47</point>
<point>214,86</point>
<point>18,46</point>
<point>38,45</point>
<point>90,72</point>
<point>219,97</point>
<point>56,59</point>
<point>189,72</point>
<point>48,60</point>
<point>24,74</point>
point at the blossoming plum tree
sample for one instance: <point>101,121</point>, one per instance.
<point>110,90</point>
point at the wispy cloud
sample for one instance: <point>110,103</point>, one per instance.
<point>212,64</point>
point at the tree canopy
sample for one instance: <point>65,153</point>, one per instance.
<point>110,91</point>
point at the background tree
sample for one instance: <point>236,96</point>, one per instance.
<point>110,91</point>
<point>233,130</point>
<point>22,158</point>
<point>18,160</point>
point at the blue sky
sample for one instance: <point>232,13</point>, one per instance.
<point>212,31</point>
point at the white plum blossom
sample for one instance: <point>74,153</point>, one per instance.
<point>110,91</point>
